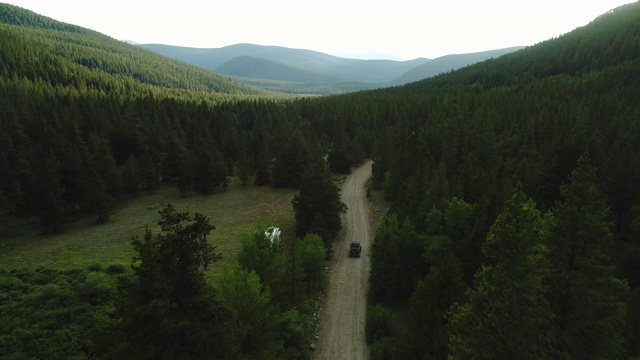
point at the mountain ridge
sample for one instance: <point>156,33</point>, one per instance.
<point>450,62</point>
<point>258,68</point>
<point>344,69</point>
<point>360,74</point>
<point>67,54</point>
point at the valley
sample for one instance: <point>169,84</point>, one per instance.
<point>135,190</point>
<point>301,71</point>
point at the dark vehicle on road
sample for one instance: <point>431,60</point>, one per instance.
<point>355,249</point>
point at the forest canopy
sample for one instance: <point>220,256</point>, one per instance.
<point>518,173</point>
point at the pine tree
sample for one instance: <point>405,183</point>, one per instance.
<point>51,206</point>
<point>397,260</point>
<point>204,176</point>
<point>292,162</point>
<point>313,261</point>
<point>131,179</point>
<point>586,295</point>
<point>318,206</point>
<point>263,173</point>
<point>507,315</point>
<point>149,173</point>
<point>167,309</point>
<point>385,261</point>
<point>101,183</point>
<point>425,335</point>
<point>176,163</point>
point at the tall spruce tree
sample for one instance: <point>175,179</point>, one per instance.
<point>507,315</point>
<point>318,206</point>
<point>425,335</point>
<point>586,295</point>
<point>167,309</point>
<point>292,162</point>
<point>47,186</point>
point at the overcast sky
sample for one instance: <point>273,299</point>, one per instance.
<point>398,29</point>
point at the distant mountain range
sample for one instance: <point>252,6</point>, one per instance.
<point>447,63</point>
<point>306,71</point>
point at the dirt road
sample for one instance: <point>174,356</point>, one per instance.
<point>341,334</point>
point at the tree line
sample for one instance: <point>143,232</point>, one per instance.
<point>513,184</point>
<point>538,280</point>
<point>262,307</point>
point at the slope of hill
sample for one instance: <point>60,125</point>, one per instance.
<point>314,72</point>
<point>447,63</point>
<point>39,47</point>
<point>328,65</point>
<point>257,68</point>
<point>609,40</point>
<point>334,70</point>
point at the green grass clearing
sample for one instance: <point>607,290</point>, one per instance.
<point>235,213</point>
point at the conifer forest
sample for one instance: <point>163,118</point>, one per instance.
<point>514,188</point>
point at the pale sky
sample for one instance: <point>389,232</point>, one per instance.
<point>397,29</point>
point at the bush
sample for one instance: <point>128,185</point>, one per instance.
<point>115,269</point>
<point>378,323</point>
<point>94,267</point>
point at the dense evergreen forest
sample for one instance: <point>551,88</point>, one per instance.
<point>514,230</point>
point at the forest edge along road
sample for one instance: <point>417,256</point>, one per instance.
<point>342,322</point>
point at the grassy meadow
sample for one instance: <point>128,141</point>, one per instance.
<point>235,213</point>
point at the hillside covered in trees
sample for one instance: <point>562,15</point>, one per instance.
<point>514,230</point>
<point>299,71</point>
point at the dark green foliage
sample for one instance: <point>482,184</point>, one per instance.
<point>397,261</point>
<point>318,206</point>
<point>254,324</point>
<point>295,330</point>
<point>378,323</point>
<point>49,192</point>
<point>632,326</point>
<point>264,257</point>
<point>378,330</point>
<point>582,280</point>
<point>275,279</point>
<point>131,179</point>
<point>75,106</point>
<point>462,227</point>
<point>209,171</point>
<point>295,275</point>
<point>102,182</point>
<point>148,173</point>
<point>51,314</point>
<point>344,154</point>
<point>263,173</point>
<point>426,335</point>
<point>507,315</point>
<point>313,261</point>
<point>115,269</point>
<point>167,309</point>
<point>290,165</point>
<point>177,165</point>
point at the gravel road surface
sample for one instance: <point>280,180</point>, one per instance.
<point>341,330</point>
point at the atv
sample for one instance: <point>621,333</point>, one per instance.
<point>355,249</point>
